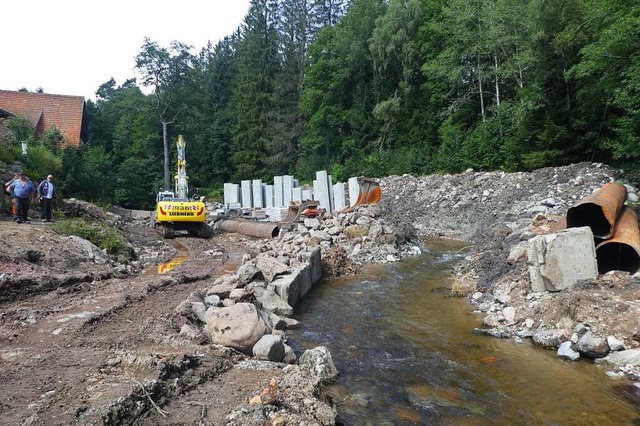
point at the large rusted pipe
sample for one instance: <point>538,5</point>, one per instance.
<point>622,251</point>
<point>599,210</point>
<point>253,229</point>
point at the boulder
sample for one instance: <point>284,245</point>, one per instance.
<point>592,346</point>
<point>239,326</point>
<point>270,267</point>
<point>319,361</point>
<point>270,347</point>
<point>561,260</point>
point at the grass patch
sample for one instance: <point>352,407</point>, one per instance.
<point>355,231</point>
<point>104,237</point>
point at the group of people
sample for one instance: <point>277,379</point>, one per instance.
<point>22,190</point>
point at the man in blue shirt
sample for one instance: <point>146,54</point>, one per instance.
<point>46,193</point>
<point>23,189</point>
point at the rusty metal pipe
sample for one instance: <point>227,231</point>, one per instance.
<point>599,210</point>
<point>253,229</point>
<point>622,251</point>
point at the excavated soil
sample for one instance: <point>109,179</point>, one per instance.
<point>91,343</point>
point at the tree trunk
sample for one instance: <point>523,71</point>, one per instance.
<point>165,142</point>
<point>495,60</point>
<point>481,92</point>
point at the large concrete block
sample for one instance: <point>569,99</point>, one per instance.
<point>287,189</point>
<point>323,191</point>
<point>307,195</point>
<point>268,196</point>
<point>354,191</point>
<point>561,260</point>
<point>294,286</point>
<point>297,194</point>
<point>231,193</point>
<point>247,198</point>
<point>257,193</point>
<point>278,200</point>
<point>338,196</point>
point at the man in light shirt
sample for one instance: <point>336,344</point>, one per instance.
<point>46,194</point>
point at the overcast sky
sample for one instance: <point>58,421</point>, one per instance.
<point>71,47</point>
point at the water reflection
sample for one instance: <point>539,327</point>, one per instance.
<point>407,355</point>
<point>163,268</point>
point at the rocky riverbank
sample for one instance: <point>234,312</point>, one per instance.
<point>498,213</point>
<point>146,348</point>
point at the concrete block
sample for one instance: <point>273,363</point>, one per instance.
<point>297,194</point>
<point>323,192</point>
<point>339,196</point>
<point>231,193</point>
<point>354,191</point>
<point>561,260</point>
<point>268,196</point>
<point>247,198</point>
<point>278,200</point>
<point>256,188</point>
<point>287,189</point>
<point>307,195</point>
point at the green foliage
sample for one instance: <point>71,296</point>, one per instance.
<point>41,161</point>
<point>381,87</point>
<point>106,238</point>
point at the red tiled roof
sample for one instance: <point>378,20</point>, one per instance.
<point>44,110</point>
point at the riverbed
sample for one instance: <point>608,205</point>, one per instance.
<point>406,354</point>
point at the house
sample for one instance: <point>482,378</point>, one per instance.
<point>44,110</point>
<point>4,116</point>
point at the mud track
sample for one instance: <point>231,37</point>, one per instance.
<point>106,349</point>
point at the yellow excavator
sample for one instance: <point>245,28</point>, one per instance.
<point>175,211</point>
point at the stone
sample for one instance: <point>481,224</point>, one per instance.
<point>615,344</point>
<point>319,361</point>
<point>551,338</point>
<point>592,345</point>
<point>239,326</point>
<point>270,267</point>
<point>622,358</point>
<point>565,351</point>
<point>561,260</point>
<point>269,348</point>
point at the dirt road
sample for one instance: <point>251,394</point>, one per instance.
<point>83,342</point>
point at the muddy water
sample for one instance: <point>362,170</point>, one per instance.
<point>407,355</point>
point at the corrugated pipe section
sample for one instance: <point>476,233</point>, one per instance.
<point>253,229</point>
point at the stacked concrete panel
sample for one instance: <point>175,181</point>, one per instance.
<point>297,194</point>
<point>322,191</point>
<point>247,198</point>
<point>278,200</point>
<point>339,196</point>
<point>268,196</point>
<point>287,189</point>
<point>307,195</point>
<point>231,193</point>
<point>354,191</point>
<point>276,214</point>
<point>257,193</point>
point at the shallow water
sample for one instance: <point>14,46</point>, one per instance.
<point>406,354</point>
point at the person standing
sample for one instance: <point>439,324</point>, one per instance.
<point>14,214</point>
<point>46,194</point>
<point>23,189</point>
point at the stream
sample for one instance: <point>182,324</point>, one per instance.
<point>406,354</point>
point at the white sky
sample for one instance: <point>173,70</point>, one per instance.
<point>71,47</point>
